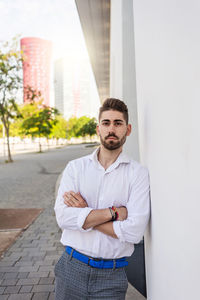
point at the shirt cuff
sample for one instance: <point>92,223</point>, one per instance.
<point>118,231</point>
<point>81,218</point>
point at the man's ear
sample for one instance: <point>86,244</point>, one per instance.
<point>129,129</point>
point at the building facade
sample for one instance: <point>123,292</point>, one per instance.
<point>37,66</point>
<point>155,69</point>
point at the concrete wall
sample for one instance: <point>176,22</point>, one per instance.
<point>116,64</point>
<point>122,65</point>
<point>167,47</point>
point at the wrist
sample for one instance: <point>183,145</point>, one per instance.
<point>107,214</point>
<point>114,213</point>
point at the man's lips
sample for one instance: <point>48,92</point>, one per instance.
<point>111,138</point>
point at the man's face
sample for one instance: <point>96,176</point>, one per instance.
<point>112,129</point>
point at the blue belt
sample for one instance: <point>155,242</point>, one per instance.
<point>97,262</point>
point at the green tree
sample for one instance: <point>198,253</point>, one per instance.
<point>78,125</point>
<point>32,95</point>
<point>1,130</point>
<point>59,130</point>
<point>10,83</point>
<point>40,123</point>
<point>15,127</point>
<point>71,127</point>
<point>88,128</point>
<point>26,110</point>
<point>81,127</point>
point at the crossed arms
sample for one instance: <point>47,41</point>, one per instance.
<point>98,219</point>
<point>73,213</point>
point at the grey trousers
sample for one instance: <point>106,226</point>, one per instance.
<point>78,281</point>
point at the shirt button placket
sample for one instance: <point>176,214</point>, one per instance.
<point>101,190</point>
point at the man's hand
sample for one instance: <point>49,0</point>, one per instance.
<point>123,213</point>
<point>72,199</point>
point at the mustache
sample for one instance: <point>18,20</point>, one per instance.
<point>111,135</point>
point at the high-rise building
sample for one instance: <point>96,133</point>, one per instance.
<point>75,88</point>
<point>37,66</point>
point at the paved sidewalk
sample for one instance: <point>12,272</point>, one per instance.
<point>27,268</point>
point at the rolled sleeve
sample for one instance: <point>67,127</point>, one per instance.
<point>81,218</point>
<point>118,231</point>
<point>71,218</point>
<point>132,229</point>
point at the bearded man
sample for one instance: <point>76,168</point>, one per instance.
<point>102,208</point>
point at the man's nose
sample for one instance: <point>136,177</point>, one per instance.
<point>112,128</point>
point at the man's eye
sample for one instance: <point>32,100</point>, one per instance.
<point>105,123</point>
<point>118,123</point>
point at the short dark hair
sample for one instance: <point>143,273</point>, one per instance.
<point>114,104</point>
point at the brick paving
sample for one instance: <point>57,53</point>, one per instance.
<point>27,267</point>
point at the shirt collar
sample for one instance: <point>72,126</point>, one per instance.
<point>122,158</point>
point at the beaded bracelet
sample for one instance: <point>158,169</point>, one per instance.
<point>114,213</point>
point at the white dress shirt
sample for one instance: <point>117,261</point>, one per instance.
<point>124,183</point>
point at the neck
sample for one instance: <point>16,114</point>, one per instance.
<point>108,157</point>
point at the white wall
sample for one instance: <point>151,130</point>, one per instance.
<point>116,87</point>
<point>167,45</point>
<point>122,66</point>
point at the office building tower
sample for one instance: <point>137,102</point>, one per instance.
<point>37,66</point>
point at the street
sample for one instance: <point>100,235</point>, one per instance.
<point>30,180</point>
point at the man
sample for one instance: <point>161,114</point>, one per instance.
<point>103,208</point>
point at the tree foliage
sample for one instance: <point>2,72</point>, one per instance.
<point>82,126</point>
<point>40,123</point>
<point>59,129</point>
<point>1,130</point>
<point>10,83</point>
<point>26,110</point>
<point>71,127</point>
<point>39,119</point>
<point>15,128</point>
<point>88,128</point>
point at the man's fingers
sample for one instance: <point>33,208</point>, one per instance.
<point>69,200</point>
<point>78,196</point>
<point>74,196</point>
<point>70,203</point>
<point>66,195</point>
<point>74,199</point>
<point>70,196</point>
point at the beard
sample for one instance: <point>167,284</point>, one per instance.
<point>112,144</point>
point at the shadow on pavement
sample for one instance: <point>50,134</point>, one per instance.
<point>13,222</point>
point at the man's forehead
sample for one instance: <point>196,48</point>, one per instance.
<point>112,115</point>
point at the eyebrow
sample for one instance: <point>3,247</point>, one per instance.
<point>116,120</point>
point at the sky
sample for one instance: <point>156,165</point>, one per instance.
<point>54,20</point>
